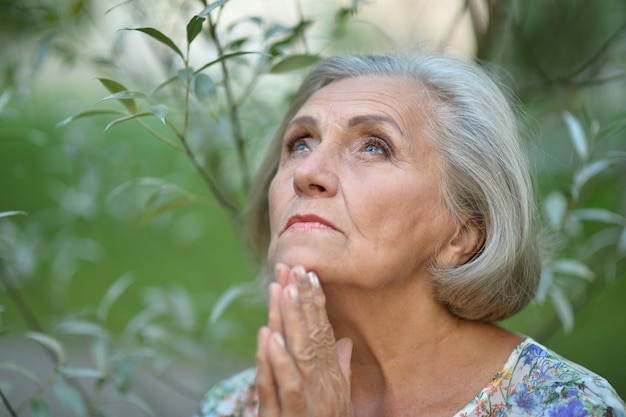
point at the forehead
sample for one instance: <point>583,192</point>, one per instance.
<point>395,97</point>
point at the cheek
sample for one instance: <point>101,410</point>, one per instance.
<point>274,204</point>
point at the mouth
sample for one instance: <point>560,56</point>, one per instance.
<point>308,222</point>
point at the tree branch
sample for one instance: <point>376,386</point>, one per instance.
<point>233,111</point>
<point>5,400</point>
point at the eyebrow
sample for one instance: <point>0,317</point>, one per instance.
<point>374,118</point>
<point>354,121</point>
<point>303,120</point>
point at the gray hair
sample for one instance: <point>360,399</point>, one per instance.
<point>486,181</point>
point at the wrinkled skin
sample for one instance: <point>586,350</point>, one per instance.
<point>297,352</point>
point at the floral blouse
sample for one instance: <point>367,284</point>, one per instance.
<point>533,382</point>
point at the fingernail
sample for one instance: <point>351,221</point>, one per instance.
<point>314,280</point>
<point>300,271</point>
<point>278,338</point>
<point>292,291</point>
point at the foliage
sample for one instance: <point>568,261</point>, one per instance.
<point>170,323</point>
<point>221,81</point>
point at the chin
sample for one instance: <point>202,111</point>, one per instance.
<point>312,260</point>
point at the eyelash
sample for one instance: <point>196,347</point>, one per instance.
<point>291,143</point>
<point>386,149</point>
<point>384,146</point>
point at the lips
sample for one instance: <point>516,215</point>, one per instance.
<point>308,222</point>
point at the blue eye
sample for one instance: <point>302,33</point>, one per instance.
<point>300,147</point>
<point>373,149</point>
<point>296,145</point>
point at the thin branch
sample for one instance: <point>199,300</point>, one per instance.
<point>564,81</point>
<point>5,400</point>
<point>596,56</point>
<point>158,135</point>
<point>206,177</point>
<point>233,111</point>
<point>301,17</point>
<point>20,303</point>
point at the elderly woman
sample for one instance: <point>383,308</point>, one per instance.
<point>396,211</point>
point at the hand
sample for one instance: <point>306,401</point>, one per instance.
<point>301,370</point>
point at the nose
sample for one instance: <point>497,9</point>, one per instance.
<point>315,175</point>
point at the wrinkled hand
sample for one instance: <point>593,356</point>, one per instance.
<point>301,370</point>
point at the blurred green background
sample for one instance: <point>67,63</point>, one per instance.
<point>186,297</point>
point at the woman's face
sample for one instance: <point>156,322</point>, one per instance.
<point>357,197</point>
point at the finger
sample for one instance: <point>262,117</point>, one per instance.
<point>296,332</point>
<point>326,335</point>
<point>344,356</point>
<point>269,405</point>
<point>290,388</point>
<point>304,282</point>
<point>281,273</point>
<point>274,316</point>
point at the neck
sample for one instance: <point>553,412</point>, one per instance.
<point>395,331</point>
<point>406,346</point>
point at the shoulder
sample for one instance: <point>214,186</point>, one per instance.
<point>233,397</point>
<point>540,379</point>
<point>537,381</point>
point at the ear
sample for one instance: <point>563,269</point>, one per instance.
<point>462,246</point>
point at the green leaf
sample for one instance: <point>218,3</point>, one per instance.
<point>159,36</point>
<point>83,328</point>
<point>204,87</point>
<point>573,268</point>
<point>139,403</point>
<point>161,185</point>
<point>50,343</point>
<point>555,207</point>
<point>4,99</point>
<point>162,208</point>
<point>12,213</point>
<point>225,300</point>
<point>141,320</point>
<point>599,215</point>
<point>82,373</point>
<point>126,94</point>
<point>591,170</point>
<point>182,306</point>
<point>39,408</point>
<point>160,111</point>
<point>186,76</point>
<point>115,87</point>
<point>99,354</point>
<point>20,369</point>
<point>621,244</point>
<point>118,5</point>
<point>545,283</point>
<point>87,113</point>
<point>563,308</point>
<point>577,135</point>
<point>112,295</point>
<point>294,62</point>
<point>194,27</point>
<point>343,15</point>
<point>71,399</point>
<point>122,373</point>
<point>125,119</point>
<point>255,20</point>
<point>208,9</point>
<point>225,57</point>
